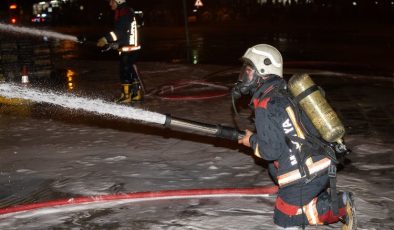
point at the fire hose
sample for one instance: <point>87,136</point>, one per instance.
<point>218,130</point>
<point>147,196</point>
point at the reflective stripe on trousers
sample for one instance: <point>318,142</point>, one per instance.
<point>129,48</point>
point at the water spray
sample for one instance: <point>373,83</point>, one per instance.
<point>101,107</point>
<point>37,32</point>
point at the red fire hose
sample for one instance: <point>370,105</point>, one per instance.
<point>147,196</point>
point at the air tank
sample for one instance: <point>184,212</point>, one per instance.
<point>316,107</point>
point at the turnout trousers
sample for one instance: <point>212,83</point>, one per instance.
<point>128,74</point>
<point>306,204</point>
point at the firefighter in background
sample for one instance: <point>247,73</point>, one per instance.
<point>124,37</point>
<point>282,131</point>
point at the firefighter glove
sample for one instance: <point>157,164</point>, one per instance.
<point>102,42</point>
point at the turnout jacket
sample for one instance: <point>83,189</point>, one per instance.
<point>280,130</point>
<point>125,30</point>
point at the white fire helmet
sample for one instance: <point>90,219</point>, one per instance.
<point>120,1</point>
<point>265,58</point>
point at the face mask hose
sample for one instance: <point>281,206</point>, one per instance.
<point>235,95</point>
<point>234,106</point>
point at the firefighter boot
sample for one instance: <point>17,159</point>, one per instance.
<point>137,95</point>
<point>125,97</point>
<point>350,220</point>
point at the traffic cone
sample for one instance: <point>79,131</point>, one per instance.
<point>25,75</point>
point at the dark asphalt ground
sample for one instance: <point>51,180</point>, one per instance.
<point>50,153</point>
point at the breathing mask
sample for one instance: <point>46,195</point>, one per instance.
<point>247,81</point>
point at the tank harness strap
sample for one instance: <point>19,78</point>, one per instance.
<point>305,93</point>
<point>301,156</point>
<point>311,140</point>
<point>332,174</point>
<point>303,170</point>
<point>320,145</point>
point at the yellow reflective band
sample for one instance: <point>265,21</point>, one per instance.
<point>129,48</point>
<point>257,152</point>
<point>309,161</point>
<point>133,39</point>
<point>289,177</point>
<point>319,166</point>
<point>293,119</point>
<point>295,174</point>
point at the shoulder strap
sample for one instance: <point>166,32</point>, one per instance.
<point>311,141</point>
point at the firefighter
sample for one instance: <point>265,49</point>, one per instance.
<point>124,37</point>
<point>283,139</point>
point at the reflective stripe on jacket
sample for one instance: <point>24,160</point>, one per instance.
<point>125,32</point>
<point>314,168</point>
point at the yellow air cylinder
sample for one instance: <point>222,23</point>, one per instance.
<point>316,107</point>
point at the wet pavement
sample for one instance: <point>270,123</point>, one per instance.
<point>49,152</point>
